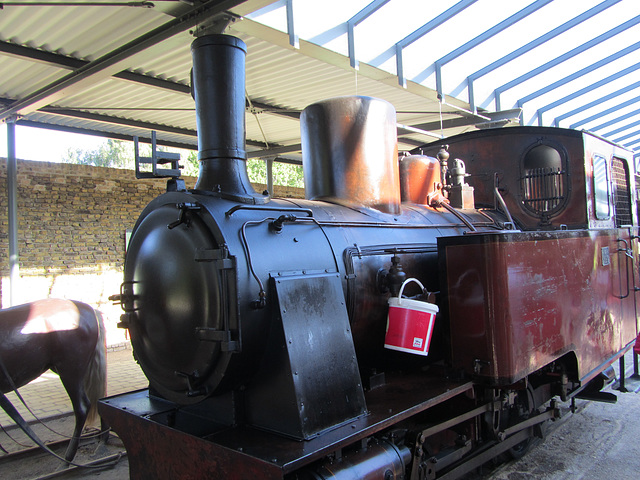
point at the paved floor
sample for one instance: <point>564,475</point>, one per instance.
<point>47,398</point>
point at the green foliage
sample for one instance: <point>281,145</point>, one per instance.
<point>189,162</point>
<point>283,173</point>
<point>120,154</point>
<point>112,153</point>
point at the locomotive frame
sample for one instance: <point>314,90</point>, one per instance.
<point>260,322</point>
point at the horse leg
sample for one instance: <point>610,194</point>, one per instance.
<point>81,404</point>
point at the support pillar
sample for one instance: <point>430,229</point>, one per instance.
<point>12,182</point>
<point>269,162</point>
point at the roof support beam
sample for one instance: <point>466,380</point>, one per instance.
<point>580,73</point>
<point>504,116</point>
<point>625,128</point>
<point>66,112</point>
<point>590,88</point>
<point>125,137</point>
<point>294,40</point>
<point>631,144</point>
<point>100,133</point>
<point>274,151</point>
<point>533,44</point>
<point>598,101</point>
<point>422,31</point>
<point>12,202</point>
<point>525,12</point>
<point>619,119</point>
<point>111,120</point>
<point>564,57</point>
<point>114,61</point>
<point>71,63</point>
<point>353,22</point>
<point>633,133</point>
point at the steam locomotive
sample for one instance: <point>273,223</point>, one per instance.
<point>264,325</point>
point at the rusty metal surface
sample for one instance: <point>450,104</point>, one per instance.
<point>158,452</point>
<point>350,148</point>
<point>500,152</point>
<point>419,178</point>
<point>210,449</point>
<point>520,301</point>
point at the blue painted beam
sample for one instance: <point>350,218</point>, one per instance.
<point>566,56</point>
<point>593,86</point>
<point>599,101</point>
<point>580,73</point>
<point>631,144</point>
<point>367,11</point>
<point>631,134</point>
<point>543,39</point>
<point>623,128</point>
<point>422,31</point>
<point>537,42</point>
<point>294,41</point>
<point>474,42</point>
<point>359,17</point>
<point>619,119</point>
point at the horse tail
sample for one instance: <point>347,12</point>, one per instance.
<point>95,380</point>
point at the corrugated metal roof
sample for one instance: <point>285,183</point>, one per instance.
<point>485,58</point>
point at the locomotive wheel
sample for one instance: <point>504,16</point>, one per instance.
<point>522,410</point>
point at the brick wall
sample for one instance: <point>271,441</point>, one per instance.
<point>72,221</point>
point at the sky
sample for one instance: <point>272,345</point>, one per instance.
<point>46,145</point>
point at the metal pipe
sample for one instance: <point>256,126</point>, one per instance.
<point>12,181</point>
<point>269,162</point>
<point>218,83</point>
<point>503,205</point>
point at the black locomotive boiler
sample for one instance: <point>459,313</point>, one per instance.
<point>261,323</point>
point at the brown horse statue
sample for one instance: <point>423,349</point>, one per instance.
<point>62,335</point>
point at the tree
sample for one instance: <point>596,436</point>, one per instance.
<point>283,173</point>
<point>121,154</point>
<point>112,153</point>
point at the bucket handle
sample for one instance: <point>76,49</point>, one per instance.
<point>404,284</point>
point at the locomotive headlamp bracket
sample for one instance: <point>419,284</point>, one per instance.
<point>182,217</point>
<point>156,158</point>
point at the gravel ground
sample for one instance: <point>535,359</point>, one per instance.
<point>600,442</point>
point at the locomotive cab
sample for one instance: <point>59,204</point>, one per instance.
<point>573,264</point>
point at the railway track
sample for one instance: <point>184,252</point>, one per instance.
<point>33,463</point>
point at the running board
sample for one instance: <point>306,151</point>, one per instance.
<point>605,397</point>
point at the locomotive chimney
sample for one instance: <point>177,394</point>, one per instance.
<point>218,87</point>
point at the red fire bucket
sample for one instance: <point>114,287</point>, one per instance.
<point>410,323</point>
